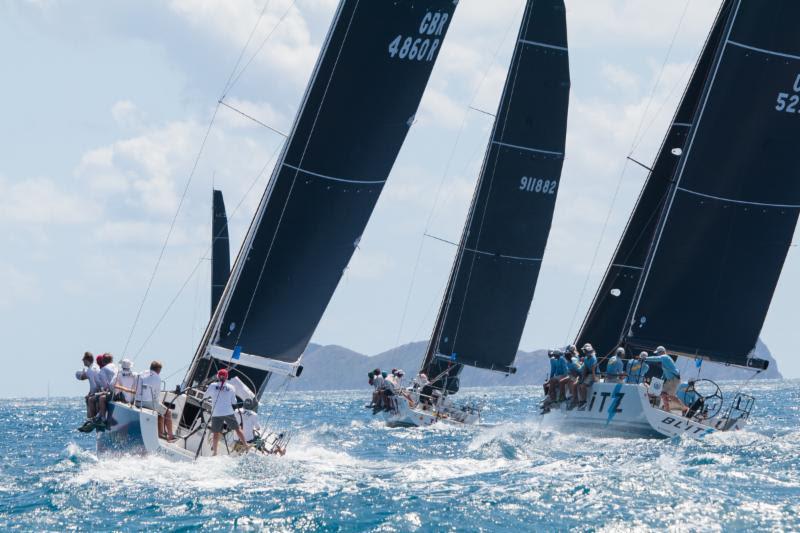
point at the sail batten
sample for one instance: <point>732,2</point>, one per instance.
<point>494,274</point>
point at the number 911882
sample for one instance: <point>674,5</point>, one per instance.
<point>537,185</point>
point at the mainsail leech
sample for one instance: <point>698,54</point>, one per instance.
<point>494,275</point>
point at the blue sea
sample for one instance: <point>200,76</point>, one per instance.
<point>345,471</point>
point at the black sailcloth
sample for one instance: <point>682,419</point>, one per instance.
<point>495,271</point>
<point>357,110</point>
<point>732,212</point>
<point>220,249</point>
<point>606,321</point>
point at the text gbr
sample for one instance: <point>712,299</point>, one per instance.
<point>422,48</point>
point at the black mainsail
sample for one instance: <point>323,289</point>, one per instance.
<point>494,274</point>
<point>731,210</point>
<point>357,110</point>
<point>606,320</point>
<point>220,249</point>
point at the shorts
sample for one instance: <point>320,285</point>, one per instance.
<point>587,380</point>
<point>559,377</point>
<point>671,386</point>
<point>217,423</point>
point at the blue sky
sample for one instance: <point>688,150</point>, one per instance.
<point>104,105</point>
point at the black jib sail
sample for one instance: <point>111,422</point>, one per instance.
<point>220,249</point>
<point>606,321</point>
<point>494,274</point>
<point>732,207</point>
<point>357,110</point>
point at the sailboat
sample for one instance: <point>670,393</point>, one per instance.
<point>698,263</point>
<point>357,110</point>
<point>497,263</point>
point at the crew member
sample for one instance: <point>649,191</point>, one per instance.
<point>124,385</point>
<point>223,398</point>
<point>89,373</point>
<point>588,372</point>
<point>670,375</point>
<point>148,390</point>
<point>615,369</point>
<point>637,369</point>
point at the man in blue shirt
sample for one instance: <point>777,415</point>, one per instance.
<point>558,371</point>
<point>615,369</point>
<point>637,369</point>
<point>571,379</point>
<point>670,375</point>
<point>588,372</point>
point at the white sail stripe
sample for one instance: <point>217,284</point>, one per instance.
<point>682,124</point>
<point>763,50</point>
<point>537,150</point>
<point>331,178</point>
<point>740,202</point>
<point>627,266</point>
<point>545,45</point>
<point>532,259</point>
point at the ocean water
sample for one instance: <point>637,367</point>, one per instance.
<point>345,471</point>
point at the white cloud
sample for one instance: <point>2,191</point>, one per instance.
<point>42,201</point>
<point>126,114</point>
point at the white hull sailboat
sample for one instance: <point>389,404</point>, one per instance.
<point>494,274</point>
<point>632,410</point>
<point>357,110</point>
<point>699,260</point>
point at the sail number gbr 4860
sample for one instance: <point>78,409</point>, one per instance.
<point>424,45</point>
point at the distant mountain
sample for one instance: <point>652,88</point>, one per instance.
<point>336,368</point>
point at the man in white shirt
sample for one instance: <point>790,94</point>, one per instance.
<point>223,398</point>
<point>89,373</point>
<point>105,378</point>
<point>148,390</point>
<point>124,385</point>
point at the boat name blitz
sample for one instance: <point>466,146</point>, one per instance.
<point>421,48</point>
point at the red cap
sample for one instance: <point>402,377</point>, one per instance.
<point>222,374</point>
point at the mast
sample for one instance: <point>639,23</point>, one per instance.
<point>494,274</point>
<point>732,211</point>
<point>607,319</point>
<point>355,115</point>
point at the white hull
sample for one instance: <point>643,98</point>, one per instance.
<point>135,430</point>
<point>407,412</point>
<point>625,410</point>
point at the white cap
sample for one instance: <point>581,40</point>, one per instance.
<point>661,350</point>
<point>620,351</point>
<point>126,364</point>
<point>588,347</point>
<point>642,355</point>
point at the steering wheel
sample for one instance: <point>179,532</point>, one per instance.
<point>710,393</point>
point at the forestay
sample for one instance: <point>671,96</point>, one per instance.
<point>732,211</point>
<point>357,110</point>
<point>220,249</point>
<point>500,253</point>
<point>606,321</point>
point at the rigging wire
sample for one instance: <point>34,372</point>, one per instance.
<point>232,79</point>
<point>200,261</point>
<point>634,145</point>
<point>440,186</point>
<point>171,228</point>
